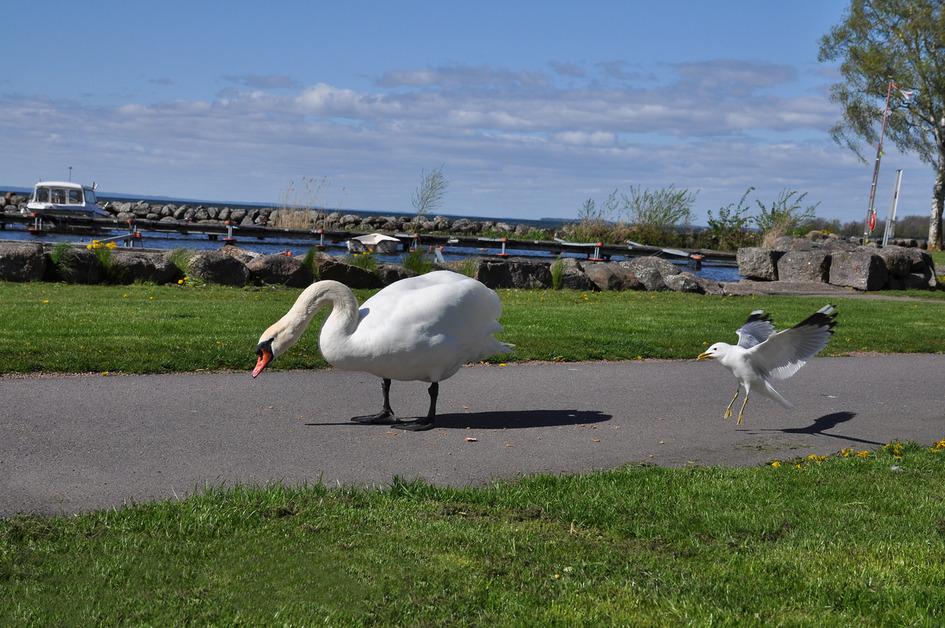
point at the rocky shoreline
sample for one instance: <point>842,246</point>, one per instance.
<point>123,211</point>
<point>233,266</point>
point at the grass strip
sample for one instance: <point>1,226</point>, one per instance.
<point>54,327</point>
<point>845,540</point>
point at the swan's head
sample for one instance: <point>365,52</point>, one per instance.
<point>273,343</point>
<point>715,351</point>
<point>286,331</point>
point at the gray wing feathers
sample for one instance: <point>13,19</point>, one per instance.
<point>784,352</point>
<point>756,330</point>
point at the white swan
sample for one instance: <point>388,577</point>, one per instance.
<point>422,328</point>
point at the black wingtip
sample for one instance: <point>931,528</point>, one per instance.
<point>824,317</point>
<point>758,315</point>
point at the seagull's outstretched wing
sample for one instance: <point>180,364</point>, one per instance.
<point>755,330</point>
<point>784,352</point>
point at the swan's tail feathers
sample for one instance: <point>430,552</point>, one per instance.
<point>769,391</point>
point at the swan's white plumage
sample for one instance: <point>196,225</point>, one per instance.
<point>422,328</point>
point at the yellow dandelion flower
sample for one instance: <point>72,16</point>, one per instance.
<point>110,245</point>
<point>45,301</point>
<point>776,464</point>
<point>863,454</point>
<point>797,466</point>
<point>816,458</point>
<point>894,448</point>
<point>88,246</point>
<point>846,452</point>
<point>503,364</point>
<point>939,446</point>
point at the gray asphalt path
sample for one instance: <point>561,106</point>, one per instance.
<point>74,443</point>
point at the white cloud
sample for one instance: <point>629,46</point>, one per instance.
<point>513,143</point>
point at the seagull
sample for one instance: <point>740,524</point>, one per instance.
<point>762,354</point>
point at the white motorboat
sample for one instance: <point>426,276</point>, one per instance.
<point>375,243</point>
<point>64,198</point>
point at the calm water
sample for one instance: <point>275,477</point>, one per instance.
<point>300,247</point>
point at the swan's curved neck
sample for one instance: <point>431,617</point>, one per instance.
<point>342,320</point>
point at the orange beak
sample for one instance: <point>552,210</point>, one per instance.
<point>265,357</point>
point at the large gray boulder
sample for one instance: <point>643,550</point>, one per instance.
<point>664,267</point>
<point>685,282</point>
<point>390,273</point>
<point>573,276</point>
<point>514,273</point>
<point>22,262</point>
<point>279,270</point>
<point>859,269</point>
<point>792,243</point>
<point>799,265</point>
<point>612,276</point>
<point>758,263</point>
<point>217,267</point>
<point>139,266</point>
<point>79,265</point>
<point>352,276</point>
<point>901,261</point>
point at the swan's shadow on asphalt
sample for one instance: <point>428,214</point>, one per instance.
<point>824,423</point>
<point>507,419</point>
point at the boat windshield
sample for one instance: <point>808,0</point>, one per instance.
<point>41,195</point>
<point>57,195</point>
<point>75,197</point>
<point>89,196</point>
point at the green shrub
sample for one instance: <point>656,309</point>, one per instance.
<point>56,254</point>
<point>786,214</point>
<point>367,261</point>
<point>104,256</point>
<point>418,261</point>
<point>309,261</point>
<point>468,266</point>
<point>181,258</point>
<point>730,229</point>
<point>557,274</point>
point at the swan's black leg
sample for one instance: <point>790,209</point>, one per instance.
<point>426,422</point>
<point>385,416</point>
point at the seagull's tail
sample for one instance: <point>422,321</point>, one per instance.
<point>769,391</point>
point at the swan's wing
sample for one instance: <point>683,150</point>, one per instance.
<point>432,309</point>
<point>784,352</point>
<point>755,330</point>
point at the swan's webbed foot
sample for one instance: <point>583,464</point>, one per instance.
<point>384,417</point>
<point>420,425</point>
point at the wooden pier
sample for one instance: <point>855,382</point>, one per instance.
<point>235,234</point>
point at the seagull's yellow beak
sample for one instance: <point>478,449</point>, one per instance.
<point>703,356</point>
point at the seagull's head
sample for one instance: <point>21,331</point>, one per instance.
<point>715,351</point>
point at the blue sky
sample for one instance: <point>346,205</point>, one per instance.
<point>529,107</point>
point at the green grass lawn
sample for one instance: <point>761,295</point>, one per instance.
<point>846,541</point>
<point>145,329</point>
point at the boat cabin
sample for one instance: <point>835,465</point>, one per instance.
<point>64,198</point>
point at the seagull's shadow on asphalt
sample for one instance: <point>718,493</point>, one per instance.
<point>508,419</point>
<point>824,423</point>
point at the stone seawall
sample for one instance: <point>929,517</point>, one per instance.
<point>233,266</point>
<point>840,263</point>
<point>302,218</point>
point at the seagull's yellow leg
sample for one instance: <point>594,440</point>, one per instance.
<point>741,413</point>
<point>728,409</point>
